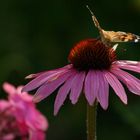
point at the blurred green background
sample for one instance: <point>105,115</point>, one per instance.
<point>37,36</point>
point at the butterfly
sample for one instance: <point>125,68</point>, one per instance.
<point>109,37</point>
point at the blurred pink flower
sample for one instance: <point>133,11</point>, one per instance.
<point>94,66</point>
<point>19,117</point>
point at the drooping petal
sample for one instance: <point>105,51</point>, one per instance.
<point>91,87</point>
<point>40,80</point>
<point>96,86</point>
<point>62,93</point>
<point>43,78</point>
<point>129,65</point>
<point>77,86</point>
<point>127,62</point>
<point>34,75</point>
<point>46,89</point>
<point>132,68</point>
<point>103,93</point>
<point>132,83</point>
<point>117,86</point>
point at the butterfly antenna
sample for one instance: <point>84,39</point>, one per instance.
<point>94,19</point>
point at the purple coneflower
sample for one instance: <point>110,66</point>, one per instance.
<point>93,67</point>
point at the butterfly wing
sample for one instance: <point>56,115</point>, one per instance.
<point>110,36</point>
<point>121,36</point>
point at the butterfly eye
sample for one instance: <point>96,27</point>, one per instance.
<point>137,39</point>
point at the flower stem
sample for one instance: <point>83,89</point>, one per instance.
<point>91,121</point>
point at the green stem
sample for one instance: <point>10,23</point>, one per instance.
<point>91,121</point>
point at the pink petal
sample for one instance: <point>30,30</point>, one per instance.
<point>132,68</point>
<point>37,74</point>
<point>90,87</point>
<point>129,65</point>
<point>127,62</point>
<point>103,93</point>
<point>50,71</point>
<point>117,86</point>
<point>77,86</point>
<point>25,96</point>
<point>10,89</point>
<point>4,104</point>
<point>132,83</point>
<point>18,90</point>
<point>36,123</point>
<point>45,77</point>
<point>62,94</point>
<point>46,89</point>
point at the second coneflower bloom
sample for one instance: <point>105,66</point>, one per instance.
<point>93,67</point>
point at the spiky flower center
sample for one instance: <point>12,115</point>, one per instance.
<point>91,54</point>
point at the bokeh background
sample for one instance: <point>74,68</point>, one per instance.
<point>38,35</point>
